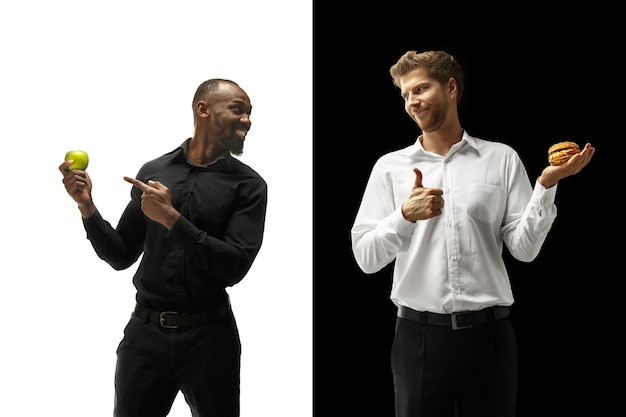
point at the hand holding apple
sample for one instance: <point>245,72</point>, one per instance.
<point>77,182</point>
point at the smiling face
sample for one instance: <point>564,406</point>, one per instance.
<point>221,120</point>
<point>230,110</point>
<point>426,101</point>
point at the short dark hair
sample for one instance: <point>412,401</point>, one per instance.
<point>207,88</point>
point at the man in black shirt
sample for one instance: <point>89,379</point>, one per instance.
<point>197,214</point>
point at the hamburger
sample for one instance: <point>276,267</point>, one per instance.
<point>561,152</point>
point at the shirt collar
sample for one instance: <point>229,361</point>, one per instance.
<point>418,150</point>
<point>470,140</point>
<point>185,146</point>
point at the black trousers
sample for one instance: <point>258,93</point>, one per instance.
<point>155,363</point>
<point>441,372</point>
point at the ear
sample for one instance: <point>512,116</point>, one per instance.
<point>202,110</point>
<point>452,86</point>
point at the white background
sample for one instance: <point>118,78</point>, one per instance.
<point>116,78</point>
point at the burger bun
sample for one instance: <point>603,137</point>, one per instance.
<point>561,152</point>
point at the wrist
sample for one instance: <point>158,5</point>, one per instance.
<point>547,180</point>
<point>87,210</point>
<point>172,218</point>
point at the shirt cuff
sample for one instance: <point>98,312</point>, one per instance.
<point>397,222</point>
<point>184,232</point>
<point>542,195</point>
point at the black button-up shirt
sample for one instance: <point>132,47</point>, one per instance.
<point>210,247</point>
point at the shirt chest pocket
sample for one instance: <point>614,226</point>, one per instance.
<point>485,202</point>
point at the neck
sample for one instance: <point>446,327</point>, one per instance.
<point>203,151</point>
<point>441,140</point>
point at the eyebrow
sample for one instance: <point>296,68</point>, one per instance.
<point>243,102</point>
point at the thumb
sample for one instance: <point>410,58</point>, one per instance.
<point>418,178</point>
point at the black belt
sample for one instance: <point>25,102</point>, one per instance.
<point>460,320</point>
<point>174,320</point>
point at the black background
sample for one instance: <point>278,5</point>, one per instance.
<point>531,80</point>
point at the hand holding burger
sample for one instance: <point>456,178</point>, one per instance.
<point>559,155</point>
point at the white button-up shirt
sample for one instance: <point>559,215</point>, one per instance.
<point>452,262</point>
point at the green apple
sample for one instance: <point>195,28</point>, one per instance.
<point>80,158</point>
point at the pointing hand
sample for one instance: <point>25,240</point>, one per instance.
<point>156,201</point>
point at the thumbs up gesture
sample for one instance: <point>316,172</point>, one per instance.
<point>423,203</point>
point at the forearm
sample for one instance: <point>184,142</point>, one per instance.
<point>226,258</point>
<point>87,210</point>
<point>120,247</point>
<point>375,245</point>
<point>528,236</point>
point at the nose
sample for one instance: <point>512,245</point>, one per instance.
<point>412,99</point>
<point>411,102</point>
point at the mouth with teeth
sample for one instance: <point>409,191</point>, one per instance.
<point>242,133</point>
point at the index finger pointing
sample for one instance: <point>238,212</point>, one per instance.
<point>142,186</point>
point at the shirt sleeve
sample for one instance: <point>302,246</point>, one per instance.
<point>120,247</point>
<point>230,258</point>
<point>380,230</point>
<point>525,237</point>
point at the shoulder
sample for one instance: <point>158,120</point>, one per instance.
<point>239,167</point>
<point>493,147</point>
<point>244,173</point>
<point>397,155</point>
<point>157,164</point>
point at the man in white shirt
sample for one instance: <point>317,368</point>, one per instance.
<point>442,209</point>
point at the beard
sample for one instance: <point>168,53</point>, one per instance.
<point>235,146</point>
<point>229,137</point>
<point>434,120</point>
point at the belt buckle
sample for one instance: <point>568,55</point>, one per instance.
<point>461,320</point>
<point>162,319</point>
